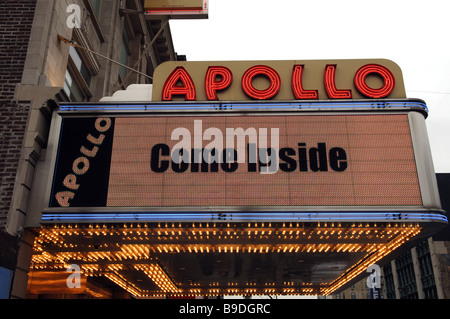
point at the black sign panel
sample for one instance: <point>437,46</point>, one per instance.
<point>83,163</point>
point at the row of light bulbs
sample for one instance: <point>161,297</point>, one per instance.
<point>56,234</point>
<point>145,251</point>
<point>114,254</point>
<point>373,259</point>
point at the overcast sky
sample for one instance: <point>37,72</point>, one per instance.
<point>414,34</point>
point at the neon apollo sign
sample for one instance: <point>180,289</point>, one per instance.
<point>220,78</point>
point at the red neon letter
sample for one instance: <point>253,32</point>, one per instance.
<point>187,87</point>
<point>212,84</point>
<point>330,84</point>
<point>271,74</point>
<point>388,78</point>
<point>297,86</point>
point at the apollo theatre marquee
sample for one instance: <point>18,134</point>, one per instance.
<point>267,177</point>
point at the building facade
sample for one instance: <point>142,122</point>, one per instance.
<point>58,51</point>
<point>54,51</point>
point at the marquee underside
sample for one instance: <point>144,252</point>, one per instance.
<point>213,258</point>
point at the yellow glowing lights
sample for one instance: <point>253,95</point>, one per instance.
<point>123,283</point>
<point>110,250</point>
<point>372,259</point>
<point>155,272</point>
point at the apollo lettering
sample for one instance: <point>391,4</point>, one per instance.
<point>219,78</point>
<point>81,164</point>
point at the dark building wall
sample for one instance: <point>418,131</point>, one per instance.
<point>443,181</point>
<point>16,19</point>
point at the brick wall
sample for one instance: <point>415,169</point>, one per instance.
<point>16,18</point>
